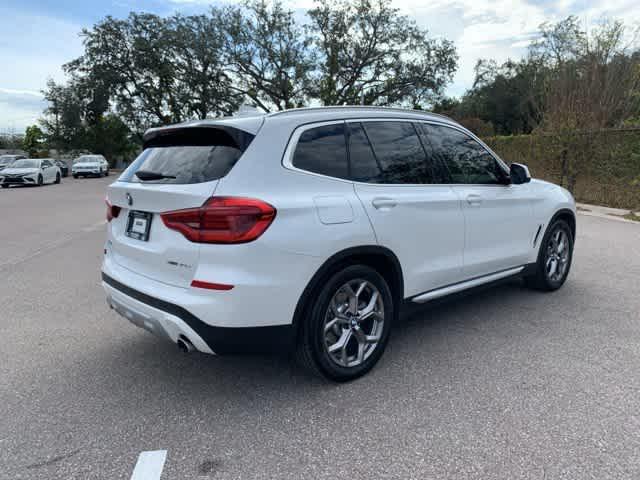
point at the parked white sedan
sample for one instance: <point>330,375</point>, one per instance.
<point>30,171</point>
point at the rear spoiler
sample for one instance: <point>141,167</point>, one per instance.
<point>197,135</point>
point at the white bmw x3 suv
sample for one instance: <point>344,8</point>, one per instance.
<point>306,230</point>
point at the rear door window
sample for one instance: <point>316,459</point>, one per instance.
<point>398,153</point>
<point>185,158</point>
<point>365,167</point>
<point>323,150</point>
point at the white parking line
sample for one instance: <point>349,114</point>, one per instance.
<point>149,465</point>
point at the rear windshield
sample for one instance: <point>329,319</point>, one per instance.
<point>196,157</point>
<point>88,159</point>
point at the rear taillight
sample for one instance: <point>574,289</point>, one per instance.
<point>222,220</point>
<point>112,210</point>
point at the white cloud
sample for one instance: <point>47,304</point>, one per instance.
<point>19,108</point>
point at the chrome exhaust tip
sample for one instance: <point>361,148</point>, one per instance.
<point>185,345</point>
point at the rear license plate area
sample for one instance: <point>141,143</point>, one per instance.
<point>138,225</point>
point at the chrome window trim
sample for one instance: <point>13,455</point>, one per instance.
<point>287,158</point>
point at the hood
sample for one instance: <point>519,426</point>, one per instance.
<point>86,164</point>
<point>19,171</point>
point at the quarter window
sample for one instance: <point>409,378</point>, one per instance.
<point>323,150</point>
<point>467,161</point>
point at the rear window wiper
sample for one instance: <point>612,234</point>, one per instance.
<point>145,175</point>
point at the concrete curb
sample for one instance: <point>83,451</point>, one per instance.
<point>615,214</point>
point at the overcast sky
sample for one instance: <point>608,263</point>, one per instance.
<point>38,36</point>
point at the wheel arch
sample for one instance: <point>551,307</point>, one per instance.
<point>383,260</point>
<point>567,215</point>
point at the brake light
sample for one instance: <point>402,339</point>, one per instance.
<point>112,210</point>
<point>222,220</point>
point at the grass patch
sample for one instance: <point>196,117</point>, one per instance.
<point>632,216</point>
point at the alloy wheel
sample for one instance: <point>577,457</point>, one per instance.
<point>557,256</point>
<point>353,323</point>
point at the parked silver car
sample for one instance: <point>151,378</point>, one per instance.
<point>7,160</point>
<point>90,166</point>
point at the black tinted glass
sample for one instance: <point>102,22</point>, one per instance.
<point>197,156</point>
<point>398,152</point>
<point>364,165</point>
<point>323,150</point>
<point>466,160</point>
<point>187,164</point>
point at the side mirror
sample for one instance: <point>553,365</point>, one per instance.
<point>519,174</point>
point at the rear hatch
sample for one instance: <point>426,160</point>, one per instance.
<point>179,168</point>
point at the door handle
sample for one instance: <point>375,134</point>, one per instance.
<point>474,199</point>
<point>385,203</point>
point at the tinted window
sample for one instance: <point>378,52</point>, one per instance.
<point>188,164</point>
<point>364,165</point>
<point>466,160</point>
<point>191,156</point>
<point>323,150</point>
<point>398,153</point>
<point>46,163</point>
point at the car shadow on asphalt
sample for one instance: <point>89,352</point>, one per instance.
<point>144,360</point>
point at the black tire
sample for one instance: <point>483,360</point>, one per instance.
<point>541,279</point>
<point>57,178</point>
<point>75,176</point>
<point>311,351</point>
<point>5,185</point>
<point>106,174</point>
<point>40,180</point>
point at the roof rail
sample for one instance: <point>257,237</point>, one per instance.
<point>355,107</point>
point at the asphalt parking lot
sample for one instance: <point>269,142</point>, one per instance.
<point>505,384</point>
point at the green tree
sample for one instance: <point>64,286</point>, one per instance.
<point>110,137</point>
<point>134,59</point>
<point>33,140</point>
<point>268,54</point>
<point>369,53</point>
<point>509,96</point>
<point>156,70</point>
<point>64,116</point>
<point>594,83</point>
<point>203,87</point>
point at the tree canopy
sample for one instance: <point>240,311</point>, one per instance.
<point>570,79</point>
<point>146,70</point>
<point>150,70</point>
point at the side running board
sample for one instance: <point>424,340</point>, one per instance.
<point>458,287</point>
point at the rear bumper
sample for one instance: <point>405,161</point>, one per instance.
<point>171,321</point>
